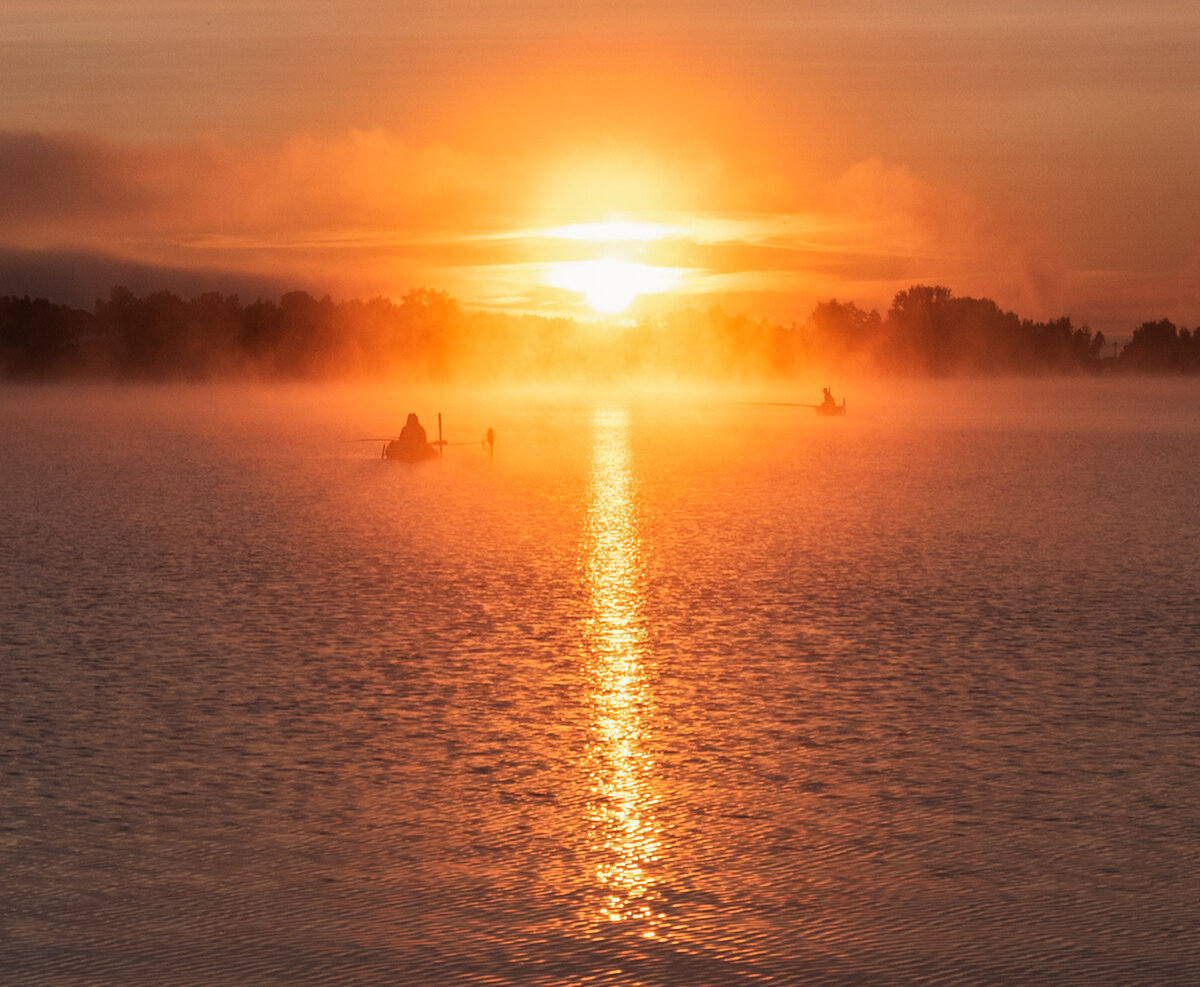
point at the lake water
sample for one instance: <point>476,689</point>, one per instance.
<point>673,690</point>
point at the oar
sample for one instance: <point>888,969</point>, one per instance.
<point>489,440</point>
<point>779,404</point>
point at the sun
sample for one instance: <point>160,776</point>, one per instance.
<point>608,285</point>
<point>607,275</point>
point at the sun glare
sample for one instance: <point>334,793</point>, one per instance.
<point>609,286</point>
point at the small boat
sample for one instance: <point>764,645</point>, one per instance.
<point>826,409</point>
<point>831,410</point>
<point>408,452</point>
<point>415,448</point>
<point>411,446</point>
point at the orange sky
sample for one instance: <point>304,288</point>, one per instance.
<point>764,155</point>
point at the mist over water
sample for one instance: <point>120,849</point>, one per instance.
<point>676,689</point>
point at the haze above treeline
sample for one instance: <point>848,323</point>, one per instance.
<point>428,334</point>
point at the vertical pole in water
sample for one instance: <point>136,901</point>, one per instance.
<point>441,448</point>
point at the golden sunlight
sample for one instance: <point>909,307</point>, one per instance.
<point>622,813</point>
<point>610,285</point>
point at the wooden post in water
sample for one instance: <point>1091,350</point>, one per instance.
<point>441,447</point>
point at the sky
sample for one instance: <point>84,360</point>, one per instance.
<point>610,157</point>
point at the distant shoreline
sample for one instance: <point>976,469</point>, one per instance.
<point>926,333</point>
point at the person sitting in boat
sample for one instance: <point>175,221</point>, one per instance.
<point>827,401</point>
<point>411,444</point>
<point>412,435</point>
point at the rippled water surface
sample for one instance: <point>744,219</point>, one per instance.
<point>669,692</point>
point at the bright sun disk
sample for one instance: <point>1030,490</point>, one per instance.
<point>609,285</point>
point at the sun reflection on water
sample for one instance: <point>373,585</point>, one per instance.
<point>621,812</point>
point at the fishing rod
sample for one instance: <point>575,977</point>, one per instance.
<point>822,409</point>
<point>779,404</point>
<point>488,440</point>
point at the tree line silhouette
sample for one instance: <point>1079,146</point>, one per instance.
<point>926,331</point>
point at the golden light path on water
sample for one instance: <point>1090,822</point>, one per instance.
<point>622,825</point>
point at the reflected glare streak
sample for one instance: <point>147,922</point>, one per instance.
<point>621,813</point>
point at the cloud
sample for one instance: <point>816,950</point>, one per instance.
<point>299,207</point>
<point>364,212</point>
<point>364,177</point>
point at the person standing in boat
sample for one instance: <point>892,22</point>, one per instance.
<point>828,401</point>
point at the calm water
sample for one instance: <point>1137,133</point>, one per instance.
<point>670,692</point>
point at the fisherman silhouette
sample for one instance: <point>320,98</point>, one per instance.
<point>827,401</point>
<point>411,444</point>
<point>412,435</point>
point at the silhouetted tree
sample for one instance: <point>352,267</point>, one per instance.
<point>39,339</point>
<point>929,331</point>
<point>843,334</point>
<point>142,335</point>
<point>919,331</point>
<point>926,330</point>
<point>1155,346</point>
